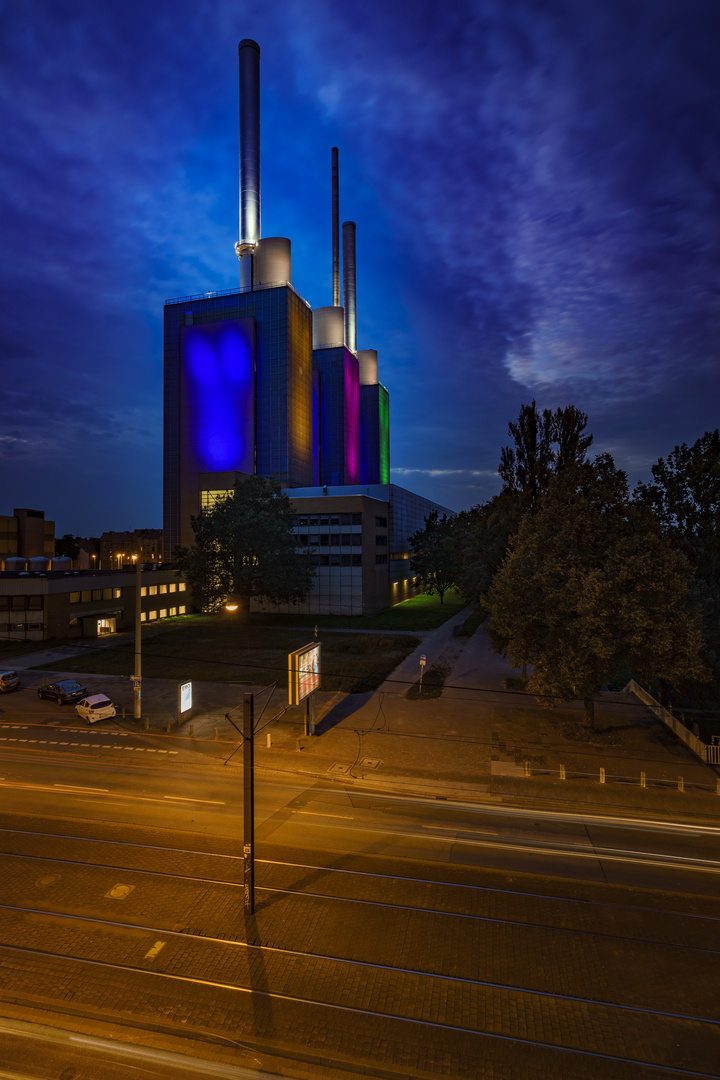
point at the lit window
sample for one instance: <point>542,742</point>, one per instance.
<point>173,611</point>
<point>143,590</point>
<point>163,613</point>
<point>172,588</point>
<point>153,590</point>
<point>74,597</point>
<point>143,616</point>
<point>117,593</point>
<point>181,587</point>
<point>152,615</point>
<point>181,610</point>
<point>162,588</point>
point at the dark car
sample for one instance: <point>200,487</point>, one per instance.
<point>64,692</point>
<point>9,680</point>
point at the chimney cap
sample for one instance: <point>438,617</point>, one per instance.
<point>248,43</point>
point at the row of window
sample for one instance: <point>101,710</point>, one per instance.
<point>4,627</point>
<point>21,603</point>
<point>155,590</point>
<point>95,594</point>
<point>335,519</point>
<point>337,540</point>
<point>162,613</point>
<point>343,560</point>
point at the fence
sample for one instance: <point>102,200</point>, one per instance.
<point>708,754</point>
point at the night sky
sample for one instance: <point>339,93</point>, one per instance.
<point>536,189</point>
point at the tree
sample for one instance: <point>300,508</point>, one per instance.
<point>245,548</point>
<point>591,585</point>
<point>685,496</point>
<point>481,540</point>
<point>67,545</point>
<point>434,559</point>
<point>529,467</point>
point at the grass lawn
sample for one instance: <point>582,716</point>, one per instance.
<point>419,613</point>
<point>211,648</point>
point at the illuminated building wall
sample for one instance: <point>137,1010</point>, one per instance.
<point>338,415</point>
<point>374,434</point>
<point>214,423</point>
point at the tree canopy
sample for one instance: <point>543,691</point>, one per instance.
<point>433,559</point>
<point>590,585</point>
<point>545,443</point>
<point>245,548</point>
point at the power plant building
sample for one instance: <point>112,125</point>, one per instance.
<point>258,383</point>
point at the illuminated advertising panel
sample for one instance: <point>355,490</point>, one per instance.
<point>184,697</point>
<point>303,672</point>
<point>218,389</point>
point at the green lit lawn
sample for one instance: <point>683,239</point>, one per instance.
<point>420,613</point>
<point>214,649</point>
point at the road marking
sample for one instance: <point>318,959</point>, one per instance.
<point>152,953</point>
<point>314,813</point>
<point>79,787</point>
<point>179,798</point>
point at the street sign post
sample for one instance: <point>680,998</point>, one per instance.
<point>422,668</point>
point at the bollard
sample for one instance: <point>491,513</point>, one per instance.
<point>216,734</point>
<point>527,768</point>
<point>123,713</point>
<point>192,732</point>
<point>642,780</point>
<point>562,772</point>
<point>269,739</point>
<point>147,723</point>
<point>681,783</point>
<point>167,728</point>
<point>602,776</point>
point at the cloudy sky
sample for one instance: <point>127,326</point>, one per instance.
<point>535,183</point>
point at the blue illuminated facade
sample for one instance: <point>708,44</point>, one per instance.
<point>338,415</point>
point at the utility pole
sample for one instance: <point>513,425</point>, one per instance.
<point>249,803</point>
<point>137,677</point>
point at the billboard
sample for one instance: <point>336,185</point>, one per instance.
<point>303,672</point>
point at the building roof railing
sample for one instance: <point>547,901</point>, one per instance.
<point>236,292</point>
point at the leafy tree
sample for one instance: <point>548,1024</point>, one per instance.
<point>434,558</point>
<point>545,443</point>
<point>245,548</point>
<point>481,540</point>
<point>590,585</point>
<point>67,545</point>
<point>685,496</point>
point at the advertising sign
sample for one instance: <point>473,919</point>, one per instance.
<point>303,672</point>
<point>184,697</point>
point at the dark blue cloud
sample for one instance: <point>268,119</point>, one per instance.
<point>535,187</point>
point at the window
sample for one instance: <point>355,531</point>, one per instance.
<point>173,611</point>
<point>97,594</point>
<point>162,588</point>
<point>181,610</point>
<point>380,560</point>
<point>85,595</point>
<point>357,560</point>
<point>208,499</point>
<point>107,594</point>
<point>346,539</point>
<point>357,519</point>
<point>18,603</point>
<point>117,593</point>
<point>35,603</point>
<point>74,597</point>
<point>172,588</point>
<point>181,588</point>
<point>334,539</point>
<point>381,522</point>
<point>143,616</point>
<point>163,613</point>
<point>143,590</point>
<point>345,560</point>
<point>152,591</point>
<point>381,541</point>
<point>152,615</point>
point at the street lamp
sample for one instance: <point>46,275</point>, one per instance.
<point>137,677</point>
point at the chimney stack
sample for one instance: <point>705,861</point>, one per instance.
<point>335,230</point>
<point>249,63</point>
<point>348,241</point>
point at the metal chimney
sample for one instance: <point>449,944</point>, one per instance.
<point>335,230</point>
<point>348,240</point>
<point>249,62</point>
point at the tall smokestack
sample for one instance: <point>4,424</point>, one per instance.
<point>335,230</point>
<point>249,61</point>
<point>348,240</point>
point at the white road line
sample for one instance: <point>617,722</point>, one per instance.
<point>79,787</point>
<point>314,813</point>
<point>179,798</point>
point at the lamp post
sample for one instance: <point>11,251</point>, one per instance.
<point>137,677</point>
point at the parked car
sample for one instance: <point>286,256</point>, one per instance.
<point>95,707</point>
<point>64,692</point>
<point>9,680</point>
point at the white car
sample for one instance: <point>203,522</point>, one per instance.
<point>95,707</point>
